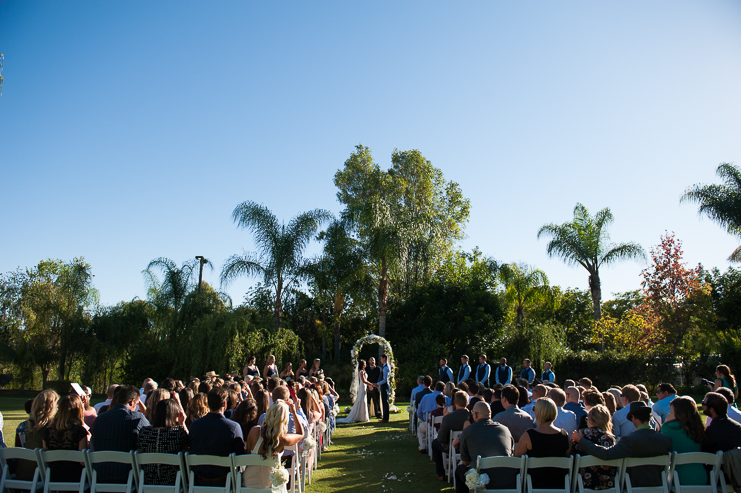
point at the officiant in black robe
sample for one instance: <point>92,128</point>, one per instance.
<point>373,374</point>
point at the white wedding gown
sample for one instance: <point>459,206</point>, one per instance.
<point>359,411</point>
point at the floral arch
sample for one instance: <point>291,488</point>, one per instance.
<point>355,352</point>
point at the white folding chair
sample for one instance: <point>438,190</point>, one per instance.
<point>517,463</point>
<point>127,458</point>
<point>432,432</point>
<point>174,460</point>
<point>48,457</point>
<point>208,460</point>
<point>534,463</point>
<point>295,470</point>
<point>250,460</point>
<point>577,482</point>
<point>703,458</point>
<point>18,453</point>
<point>412,411</point>
<point>450,459</point>
<point>661,461</point>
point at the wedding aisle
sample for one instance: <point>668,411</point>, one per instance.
<point>376,457</point>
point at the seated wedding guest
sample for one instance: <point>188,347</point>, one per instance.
<point>66,432</point>
<point>448,393</point>
<point>485,438</point>
<point>585,383</point>
<point>610,402</point>
<point>186,395</point>
<point>514,418</point>
<point>538,392</point>
<point>43,409</point>
<point>527,371</point>
<point>281,393</point>
<point>20,430</point>
<point>269,440</point>
<point>591,399</point>
<point>452,422</point>
<point>420,386</point>
<point>166,435</point>
<point>232,400</point>
<point>665,393</point>
<point>524,396</point>
<point>687,433</point>
<point>617,395</point>
<point>246,415</point>
<point>643,442</point>
<point>309,406</point>
<point>213,434</point>
<point>197,409</point>
<point>548,375</point>
<point>464,372</point>
<point>446,374</point>
<point>483,371</point>
<point>463,387</point>
<point>598,431</point>
<point>426,406</point>
<point>204,388</point>
<point>568,384</point>
<point>546,440</point>
<point>473,387</point>
<point>495,401</point>
<point>287,372</point>
<point>503,373</point>
<point>733,413</point>
<point>315,371</point>
<point>262,398</point>
<point>149,387</point>
<point>156,396</point>
<point>621,424</point>
<point>471,403</point>
<point>565,419</point>
<point>109,397</point>
<point>118,430</point>
<point>573,402</point>
<point>89,411</point>
<point>427,383</point>
<point>723,434</point>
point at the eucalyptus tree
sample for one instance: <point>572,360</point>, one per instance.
<point>585,241</point>
<point>523,285</point>
<point>406,218</point>
<point>280,249</point>
<point>721,203</point>
<point>339,276</point>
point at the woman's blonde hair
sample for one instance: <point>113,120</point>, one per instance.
<point>601,418</point>
<point>154,398</point>
<point>197,408</point>
<point>545,411</point>
<point>274,426</point>
<point>70,412</point>
<point>449,389</point>
<point>43,409</point>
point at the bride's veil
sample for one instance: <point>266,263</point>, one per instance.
<point>355,385</point>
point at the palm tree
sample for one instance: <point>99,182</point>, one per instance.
<point>722,203</point>
<point>280,249</point>
<point>177,283</point>
<point>586,242</point>
<point>523,285</point>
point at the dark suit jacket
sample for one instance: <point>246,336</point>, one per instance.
<point>373,374</point>
<point>640,443</point>
<point>452,422</point>
<point>723,434</point>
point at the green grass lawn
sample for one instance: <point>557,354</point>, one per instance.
<point>13,414</point>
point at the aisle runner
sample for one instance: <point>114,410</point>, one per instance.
<point>376,457</point>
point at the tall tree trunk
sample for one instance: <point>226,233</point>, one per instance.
<point>596,290</point>
<point>278,313</point>
<point>339,304</point>
<point>383,297</point>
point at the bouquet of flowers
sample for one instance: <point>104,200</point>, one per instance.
<point>335,411</point>
<point>279,476</point>
<point>309,445</point>
<point>322,427</point>
<point>476,481</point>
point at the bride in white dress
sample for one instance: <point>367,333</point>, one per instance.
<point>359,411</point>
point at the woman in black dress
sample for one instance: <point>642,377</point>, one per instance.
<point>545,441</point>
<point>315,371</point>
<point>251,370</point>
<point>270,368</point>
<point>302,371</point>
<point>167,435</point>
<point>66,432</point>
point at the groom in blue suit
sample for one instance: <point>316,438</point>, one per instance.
<point>383,386</point>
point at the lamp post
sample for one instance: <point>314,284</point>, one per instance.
<point>201,260</point>
<point>2,59</point>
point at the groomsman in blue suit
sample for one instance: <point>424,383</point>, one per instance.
<point>465,370</point>
<point>446,374</point>
<point>527,372</point>
<point>548,375</point>
<point>483,371</point>
<point>503,374</point>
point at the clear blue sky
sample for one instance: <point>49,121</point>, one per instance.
<point>131,130</point>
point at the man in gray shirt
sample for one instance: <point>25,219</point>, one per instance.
<point>514,418</point>
<point>487,439</point>
<point>452,422</point>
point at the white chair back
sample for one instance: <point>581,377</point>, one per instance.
<point>47,457</point>
<point>451,458</point>
<point>175,460</point>
<point>208,460</point>
<point>517,463</point>
<point>705,459</point>
<point>534,463</point>
<point>432,432</point>
<point>93,458</point>
<point>18,453</point>
<point>295,470</point>
<point>250,460</point>
<point>580,462</point>
<point>663,461</point>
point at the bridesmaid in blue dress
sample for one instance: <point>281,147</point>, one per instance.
<point>270,368</point>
